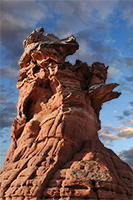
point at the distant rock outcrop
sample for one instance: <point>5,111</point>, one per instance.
<point>55,151</point>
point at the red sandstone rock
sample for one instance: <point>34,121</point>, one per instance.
<point>55,151</point>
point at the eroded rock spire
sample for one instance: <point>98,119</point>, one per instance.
<point>55,151</point>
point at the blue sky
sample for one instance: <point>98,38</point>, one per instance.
<point>104,31</point>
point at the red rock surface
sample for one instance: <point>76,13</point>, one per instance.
<point>55,151</point>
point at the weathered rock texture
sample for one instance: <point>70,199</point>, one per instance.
<point>55,151</point>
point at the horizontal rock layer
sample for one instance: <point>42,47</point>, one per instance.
<point>55,151</point>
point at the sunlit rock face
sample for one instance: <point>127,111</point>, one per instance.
<point>55,151</point>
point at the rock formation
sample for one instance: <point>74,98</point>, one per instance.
<point>55,151</point>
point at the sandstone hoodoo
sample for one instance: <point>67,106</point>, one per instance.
<point>55,151</point>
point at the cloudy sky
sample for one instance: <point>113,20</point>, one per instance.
<point>104,31</point>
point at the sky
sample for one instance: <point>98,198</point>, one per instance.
<point>104,31</point>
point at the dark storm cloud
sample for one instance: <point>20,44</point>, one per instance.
<point>127,156</point>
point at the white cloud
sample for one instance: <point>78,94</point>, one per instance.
<point>112,71</point>
<point>109,40</point>
<point>127,132</point>
<point>111,128</point>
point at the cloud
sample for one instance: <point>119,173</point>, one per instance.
<point>109,40</point>
<point>102,48</point>
<point>11,73</point>
<point>111,128</point>
<point>125,86</point>
<point>8,108</point>
<point>3,100</point>
<point>128,122</point>
<point>130,78</point>
<point>5,135</point>
<point>129,62</point>
<point>122,132</point>
<point>127,11</point>
<point>20,18</point>
<point>119,117</point>
<point>17,22</point>
<point>127,133</point>
<point>8,113</point>
<point>127,156</point>
<point>8,93</point>
<point>131,103</point>
<point>112,71</point>
<point>127,112</point>
<point>91,49</point>
<point>96,12</point>
<point>107,137</point>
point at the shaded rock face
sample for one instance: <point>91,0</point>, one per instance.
<point>55,151</point>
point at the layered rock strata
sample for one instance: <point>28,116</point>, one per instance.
<point>55,151</point>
